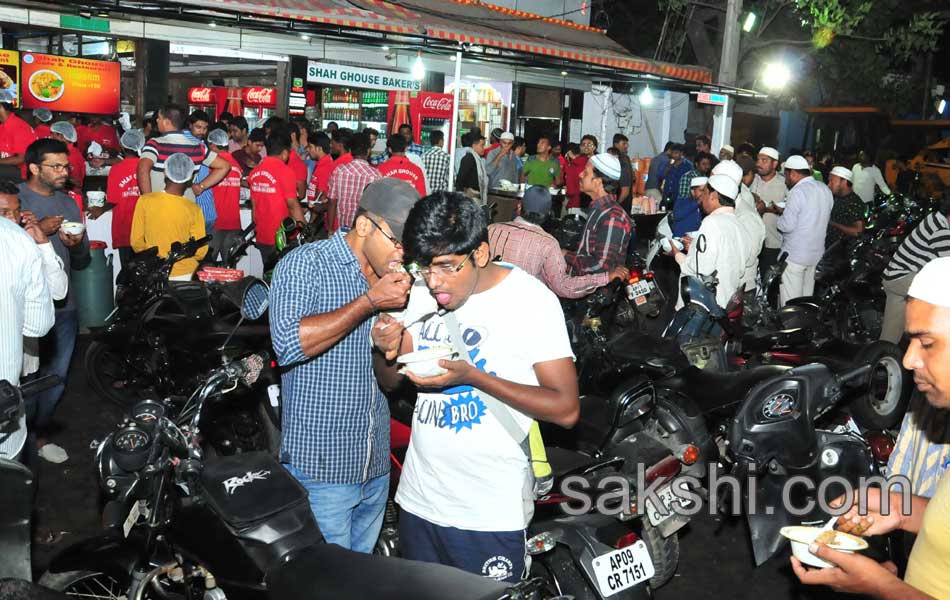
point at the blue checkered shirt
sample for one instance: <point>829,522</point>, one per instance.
<point>205,199</point>
<point>335,418</point>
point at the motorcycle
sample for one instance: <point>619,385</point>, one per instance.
<point>163,335</point>
<point>182,525</point>
<point>783,430</point>
<point>16,484</point>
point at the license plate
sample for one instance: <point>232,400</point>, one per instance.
<point>639,289</point>
<point>669,500</point>
<point>622,569</point>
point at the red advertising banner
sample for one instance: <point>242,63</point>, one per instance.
<point>10,76</point>
<point>431,110</point>
<point>67,84</point>
<point>260,96</point>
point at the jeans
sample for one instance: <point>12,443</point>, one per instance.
<point>348,515</point>
<point>56,352</point>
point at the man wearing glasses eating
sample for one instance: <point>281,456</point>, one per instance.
<point>335,437</point>
<point>465,491</point>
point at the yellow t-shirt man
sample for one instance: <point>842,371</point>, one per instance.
<point>929,561</point>
<point>162,219</point>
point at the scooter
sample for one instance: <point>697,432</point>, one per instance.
<point>180,524</point>
<point>783,430</point>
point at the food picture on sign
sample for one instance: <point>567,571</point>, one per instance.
<point>47,85</point>
<point>9,77</point>
<point>70,84</point>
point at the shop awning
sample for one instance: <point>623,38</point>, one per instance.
<point>489,28</point>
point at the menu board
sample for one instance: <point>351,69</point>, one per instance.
<point>10,77</point>
<point>68,84</point>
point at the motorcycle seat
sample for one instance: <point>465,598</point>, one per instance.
<point>565,462</point>
<point>644,348</point>
<point>713,390</point>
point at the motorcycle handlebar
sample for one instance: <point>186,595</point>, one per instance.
<point>852,374</point>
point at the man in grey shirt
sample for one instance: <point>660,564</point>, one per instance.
<point>42,198</point>
<point>501,163</point>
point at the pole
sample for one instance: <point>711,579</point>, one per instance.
<point>728,64</point>
<point>453,127</point>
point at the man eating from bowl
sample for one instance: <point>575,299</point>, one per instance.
<point>466,486</point>
<point>928,356</point>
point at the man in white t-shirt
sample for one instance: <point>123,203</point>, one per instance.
<point>769,190</point>
<point>465,492</point>
<point>867,177</point>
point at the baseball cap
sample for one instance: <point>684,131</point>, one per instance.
<point>507,136</point>
<point>65,129</point>
<point>179,168</point>
<point>496,132</point>
<point>43,114</point>
<point>537,199</point>
<point>390,199</point>
<point>730,168</point>
<point>843,172</point>
<point>608,164</point>
<point>770,152</point>
<point>932,282</point>
<point>724,185</point>
<point>218,137</point>
<point>796,162</point>
<point>133,139</point>
<point>698,181</point>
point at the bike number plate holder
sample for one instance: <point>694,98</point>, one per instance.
<point>138,510</point>
<point>639,291</point>
<point>623,569</point>
<point>668,499</point>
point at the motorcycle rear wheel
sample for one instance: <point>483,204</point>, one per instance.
<point>883,404</point>
<point>664,551</point>
<point>561,575</point>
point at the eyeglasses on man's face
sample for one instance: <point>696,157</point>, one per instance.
<point>58,167</point>
<point>443,270</point>
<point>389,236</point>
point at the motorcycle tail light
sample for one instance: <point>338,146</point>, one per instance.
<point>648,275</point>
<point>882,445</point>
<point>689,455</point>
<point>625,540</point>
<point>634,277</point>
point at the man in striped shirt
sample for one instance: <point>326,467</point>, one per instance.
<point>929,240</point>
<point>151,169</point>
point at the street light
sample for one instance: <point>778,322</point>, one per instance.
<point>776,76</point>
<point>646,96</point>
<point>418,68</point>
<point>749,22</point>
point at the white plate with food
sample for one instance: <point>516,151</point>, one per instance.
<point>72,228</point>
<point>46,85</point>
<point>425,363</point>
<point>801,536</point>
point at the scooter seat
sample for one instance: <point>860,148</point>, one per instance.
<point>566,462</point>
<point>644,348</point>
<point>763,341</point>
<point>713,391</point>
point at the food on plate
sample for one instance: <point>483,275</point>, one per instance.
<point>46,84</point>
<point>6,81</point>
<point>827,537</point>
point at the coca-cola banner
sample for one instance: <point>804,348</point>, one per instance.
<point>435,105</point>
<point>346,76</point>
<point>260,96</point>
<point>201,95</point>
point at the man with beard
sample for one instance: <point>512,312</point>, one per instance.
<point>42,197</point>
<point>335,434</point>
<point>847,215</point>
<point>606,236</point>
<point>928,356</point>
<point>769,189</point>
<point>686,213</point>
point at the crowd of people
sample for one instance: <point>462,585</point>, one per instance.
<point>409,265</point>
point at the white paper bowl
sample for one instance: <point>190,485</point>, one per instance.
<point>667,244</point>
<point>801,536</point>
<point>425,363</point>
<point>96,198</point>
<point>72,228</point>
<point>781,205</point>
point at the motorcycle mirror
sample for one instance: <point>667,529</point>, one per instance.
<point>255,299</point>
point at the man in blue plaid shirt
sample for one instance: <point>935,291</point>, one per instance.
<point>335,418</point>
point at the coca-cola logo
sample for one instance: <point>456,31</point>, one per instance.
<point>260,96</point>
<point>440,104</point>
<point>202,95</point>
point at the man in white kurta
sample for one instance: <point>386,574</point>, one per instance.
<point>743,173</point>
<point>720,246</point>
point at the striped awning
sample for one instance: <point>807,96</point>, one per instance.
<point>469,21</point>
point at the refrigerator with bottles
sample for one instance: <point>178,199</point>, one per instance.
<point>354,108</point>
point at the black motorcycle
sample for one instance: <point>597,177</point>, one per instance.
<point>164,335</point>
<point>181,525</point>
